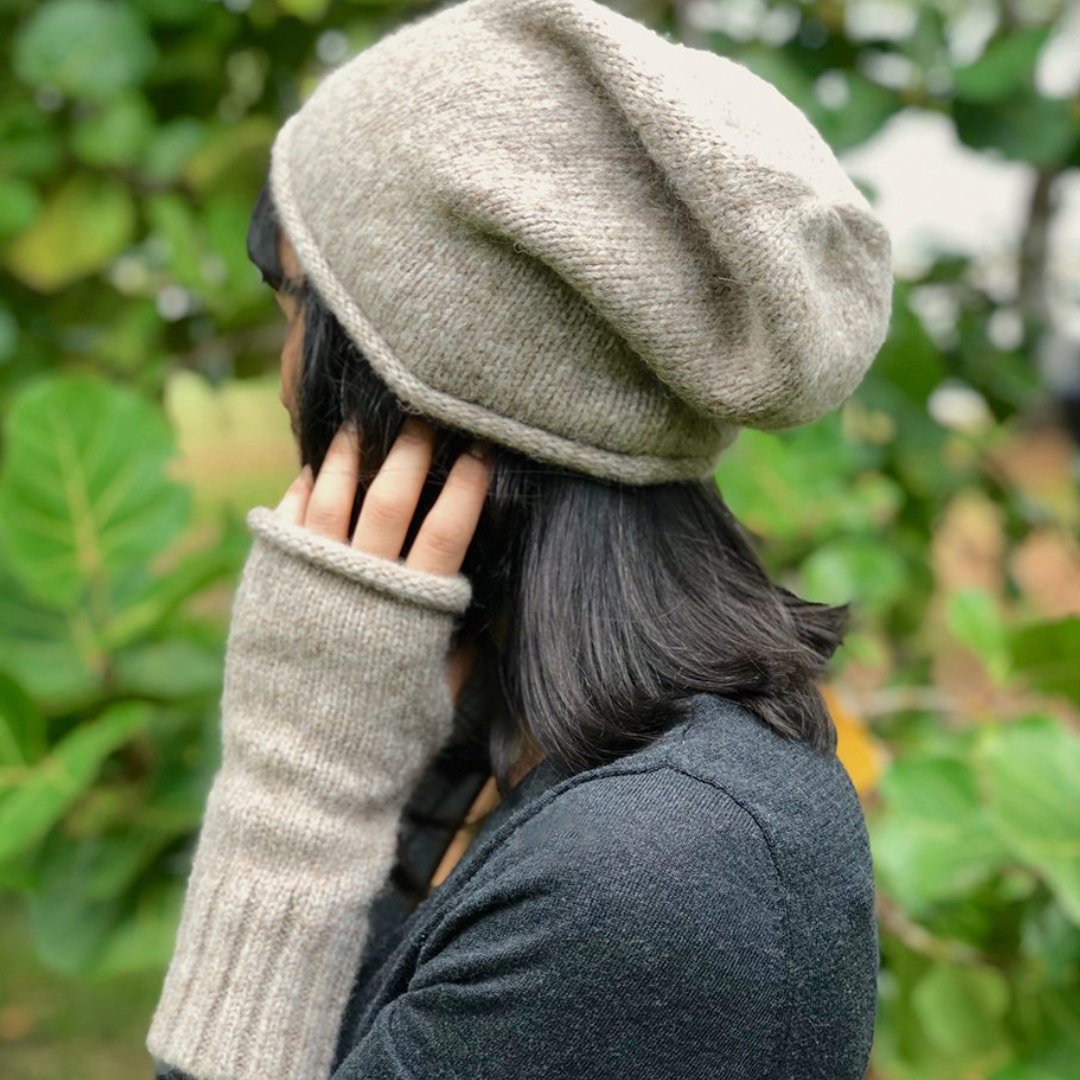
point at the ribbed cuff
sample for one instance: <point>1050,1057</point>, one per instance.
<point>441,592</point>
<point>264,976</point>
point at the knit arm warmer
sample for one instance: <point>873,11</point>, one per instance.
<point>335,699</point>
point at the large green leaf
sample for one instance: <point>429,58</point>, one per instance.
<point>960,1009</point>
<point>50,653</point>
<point>1031,770</point>
<point>933,841</point>
<point>33,799</point>
<point>85,48</point>
<point>84,224</point>
<point>95,911</point>
<point>147,601</point>
<point>84,492</point>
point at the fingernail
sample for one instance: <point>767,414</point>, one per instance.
<point>307,473</point>
<point>479,450</point>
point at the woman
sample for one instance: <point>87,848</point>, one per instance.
<point>540,225</point>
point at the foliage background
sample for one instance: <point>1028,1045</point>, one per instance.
<point>138,386</point>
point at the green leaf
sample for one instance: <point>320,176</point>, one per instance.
<point>960,1009</point>
<point>174,669</point>
<point>88,49</point>
<point>1023,127</point>
<point>30,146</point>
<point>84,224</point>
<point>854,568</point>
<point>974,618</point>
<point>1031,770</point>
<point>174,223</point>
<point>45,650</point>
<point>144,940</point>
<point>1008,65</point>
<point>83,491</point>
<point>89,913</point>
<point>909,358</point>
<point>19,205</point>
<point>9,334</point>
<point>116,135</point>
<point>145,607</point>
<point>170,147</point>
<point>805,483</point>
<point>22,727</point>
<point>32,800</point>
<point>932,841</point>
<point>1047,654</point>
<point>1052,947</point>
<point>868,107</point>
<point>308,10</point>
<point>234,152</point>
<point>1020,1071</point>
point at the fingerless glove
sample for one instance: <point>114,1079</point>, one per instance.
<point>335,700</point>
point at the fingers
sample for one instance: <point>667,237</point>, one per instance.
<point>293,505</point>
<point>330,503</point>
<point>323,504</point>
<point>444,537</point>
<point>390,501</point>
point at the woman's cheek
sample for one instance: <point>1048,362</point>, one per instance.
<point>291,354</point>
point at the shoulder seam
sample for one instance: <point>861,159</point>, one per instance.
<point>785,907</point>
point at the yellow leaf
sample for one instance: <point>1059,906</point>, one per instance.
<point>858,751</point>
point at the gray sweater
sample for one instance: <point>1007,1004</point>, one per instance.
<point>702,908</point>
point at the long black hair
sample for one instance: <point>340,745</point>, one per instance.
<point>602,607</point>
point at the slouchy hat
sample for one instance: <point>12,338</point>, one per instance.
<point>548,225</point>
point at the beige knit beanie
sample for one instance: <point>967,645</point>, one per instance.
<point>546,224</point>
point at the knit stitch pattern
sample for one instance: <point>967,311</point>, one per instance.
<point>549,225</point>
<point>335,700</point>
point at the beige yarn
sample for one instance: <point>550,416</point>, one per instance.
<point>546,224</point>
<point>335,700</point>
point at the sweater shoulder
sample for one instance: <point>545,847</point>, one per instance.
<point>715,784</point>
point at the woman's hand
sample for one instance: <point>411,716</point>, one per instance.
<point>323,505</point>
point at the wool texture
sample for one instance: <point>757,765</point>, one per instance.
<point>335,700</point>
<point>546,224</point>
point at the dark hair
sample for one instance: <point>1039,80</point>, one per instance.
<point>606,606</point>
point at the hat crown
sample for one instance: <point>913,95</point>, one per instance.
<point>549,225</point>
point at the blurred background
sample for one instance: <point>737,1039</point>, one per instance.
<point>138,398</point>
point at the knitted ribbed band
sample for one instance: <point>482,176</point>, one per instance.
<point>547,224</point>
<point>335,700</point>
<point>441,592</point>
